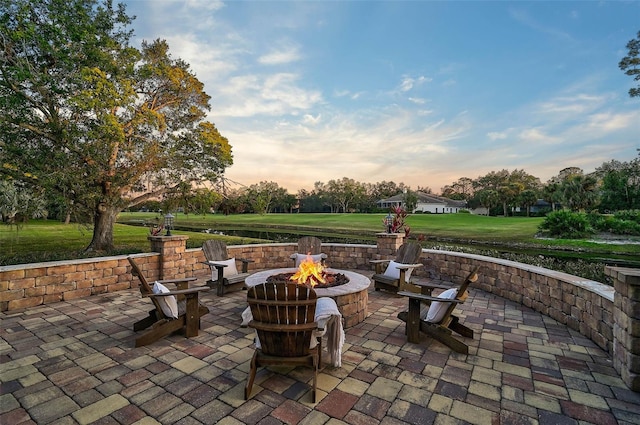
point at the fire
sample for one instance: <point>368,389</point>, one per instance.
<point>309,272</point>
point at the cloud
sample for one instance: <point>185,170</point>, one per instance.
<point>282,87</point>
<point>287,54</point>
<point>218,61</point>
<point>270,94</point>
<point>349,94</point>
<point>310,119</point>
<point>210,5</point>
<point>370,146</point>
<point>610,122</point>
<point>536,135</point>
<point>408,83</point>
<point>497,135</point>
<point>571,105</point>
<point>417,100</point>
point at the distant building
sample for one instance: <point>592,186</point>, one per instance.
<point>426,203</point>
<point>541,206</point>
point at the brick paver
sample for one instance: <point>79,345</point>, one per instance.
<point>74,363</point>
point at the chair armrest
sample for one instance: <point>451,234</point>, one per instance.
<point>379,261</point>
<point>427,298</point>
<point>408,266</point>
<point>215,264</point>
<point>180,292</point>
<point>246,260</point>
<point>379,264</point>
<point>179,283</point>
<point>245,264</point>
<point>430,285</point>
<point>191,290</point>
<point>185,279</point>
<point>426,288</point>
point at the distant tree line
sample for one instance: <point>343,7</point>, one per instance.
<point>614,186</point>
<point>336,196</point>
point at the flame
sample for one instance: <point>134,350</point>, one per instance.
<point>309,272</point>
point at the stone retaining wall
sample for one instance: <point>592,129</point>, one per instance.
<point>30,285</point>
<point>607,315</point>
<point>583,305</point>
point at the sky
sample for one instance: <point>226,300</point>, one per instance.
<point>415,92</point>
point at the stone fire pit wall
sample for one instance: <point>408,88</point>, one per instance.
<point>607,315</point>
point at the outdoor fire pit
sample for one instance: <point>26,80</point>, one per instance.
<point>351,297</point>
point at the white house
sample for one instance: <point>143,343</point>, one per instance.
<point>426,203</point>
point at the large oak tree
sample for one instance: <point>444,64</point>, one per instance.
<point>86,115</point>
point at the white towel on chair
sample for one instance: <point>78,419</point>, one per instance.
<point>329,322</point>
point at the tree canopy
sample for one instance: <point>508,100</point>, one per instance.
<point>86,115</point>
<point>630,64</point>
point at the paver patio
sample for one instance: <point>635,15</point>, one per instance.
<point>75,363</point>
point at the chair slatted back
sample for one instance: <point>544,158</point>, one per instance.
<point>145,288</point>
<point>284,317</point>
<point>409,253</point>
<point>309,245</point>
<point>215,250</point>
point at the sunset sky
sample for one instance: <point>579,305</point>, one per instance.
<point>419,92</point>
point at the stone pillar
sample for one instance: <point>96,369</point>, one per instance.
<point>626,327</point>
<point>171,249</point>
<point>388,244</point>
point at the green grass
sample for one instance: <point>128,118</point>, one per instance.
<point>464,226</point>
<point>43,240</point>
<point>442,227</point>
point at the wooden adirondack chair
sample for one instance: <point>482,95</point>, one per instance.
<point>394,277</point>
<point>283,317</point>
<point>189,309</point>
<point>438,321</point>
<point>308,245</point>
<point>224,273</point>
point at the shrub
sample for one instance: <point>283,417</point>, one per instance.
<point>598,221</point>
<point>624,227</point>
<point>630,215</point>
<point>566,225</point>
<point>621,223</point>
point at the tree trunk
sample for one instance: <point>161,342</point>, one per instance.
<point>105,217</point>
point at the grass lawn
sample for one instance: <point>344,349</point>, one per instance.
<point>463,226</point>
<point>44,240</point>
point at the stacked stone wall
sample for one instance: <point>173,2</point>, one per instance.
<point>583,305</point>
